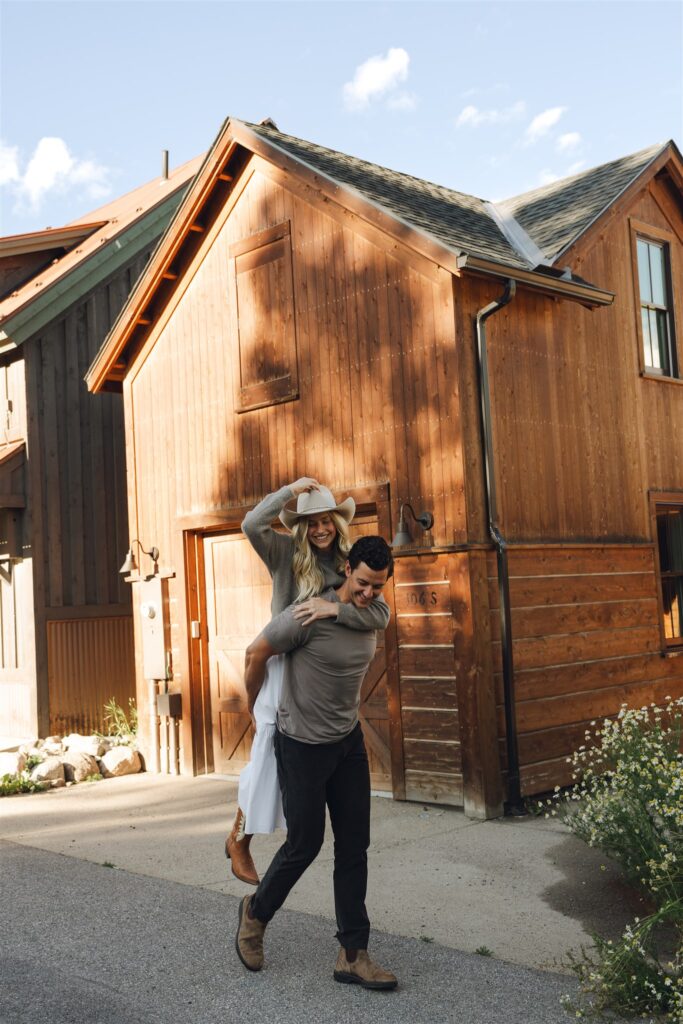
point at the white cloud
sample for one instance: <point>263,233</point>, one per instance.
<point>546,177</point>
<point>568,142</point>
<point>376,77</point>
<point>51,168</point>
<point>543,122</point>
<point>473,116</point>
<point>576,167</point>
<point>404,101</point>
<point>9,163</point>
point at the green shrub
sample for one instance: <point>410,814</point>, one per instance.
<point>21,783</point>
<point>628,802</point>
<point>120,725</point>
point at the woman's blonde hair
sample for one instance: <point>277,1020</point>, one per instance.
<point>308,575</point>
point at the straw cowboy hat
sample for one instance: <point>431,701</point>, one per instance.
<point>315,503</point>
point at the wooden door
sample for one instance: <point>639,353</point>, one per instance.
<point>238,591</point>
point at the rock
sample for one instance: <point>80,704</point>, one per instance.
<point>12,763</point>
<point>120,761</point>
<point>78,766</point>
<point>49,770</point>
<point>84,744</point>
<point>53,746</point>
<point>57,783</point>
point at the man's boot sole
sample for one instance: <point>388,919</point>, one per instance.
<point>237,944</point>
<point>353,979</point>
<point>242,878</point>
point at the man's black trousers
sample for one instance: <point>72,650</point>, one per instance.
<point>312,776</point>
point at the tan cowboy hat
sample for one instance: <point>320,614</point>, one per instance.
<point>316,502</point>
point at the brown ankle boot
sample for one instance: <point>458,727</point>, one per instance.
<point>362,971</point>
<point>237,851</point>
<point>249,941</point>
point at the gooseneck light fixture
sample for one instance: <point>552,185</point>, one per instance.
<point>130,565</point>
<point>403,539</point>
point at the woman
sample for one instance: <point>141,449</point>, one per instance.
<point>302,564</point>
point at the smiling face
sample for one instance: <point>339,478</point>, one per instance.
<point>362,584</point>
<point>321,531</point>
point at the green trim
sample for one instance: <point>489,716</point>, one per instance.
<point>104,262</point>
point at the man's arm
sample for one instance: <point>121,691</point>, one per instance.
<point>256,656</point>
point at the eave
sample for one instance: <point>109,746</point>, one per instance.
<point>44,241</point>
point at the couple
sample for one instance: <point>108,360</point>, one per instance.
<point>303,676</point>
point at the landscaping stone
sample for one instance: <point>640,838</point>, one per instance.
<point>12,763</point>
<point>50,770</point>
<point>79,765</point>
<point>120,761</point>
<point>78,743</point>
<point>53,746</point>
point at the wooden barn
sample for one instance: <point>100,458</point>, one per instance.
<point>512,368</point>
<point>66,638</point>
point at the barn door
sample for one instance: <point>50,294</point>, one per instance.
<point>237,600</point>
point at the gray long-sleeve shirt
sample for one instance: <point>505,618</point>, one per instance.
<point>276,550</point>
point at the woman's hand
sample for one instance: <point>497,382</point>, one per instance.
<point>304,483</point>
<point>315,608</point>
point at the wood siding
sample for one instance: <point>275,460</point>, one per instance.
<point>585,626</point>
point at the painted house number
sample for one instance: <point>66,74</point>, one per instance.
<point>422,598</point>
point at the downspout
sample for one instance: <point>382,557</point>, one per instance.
<point>515,805</point>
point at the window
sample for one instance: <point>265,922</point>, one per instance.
<point>670,548</point>
<point>266,368</point>
<point>659,348</point>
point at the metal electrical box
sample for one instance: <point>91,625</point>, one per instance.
<point>153,611</point>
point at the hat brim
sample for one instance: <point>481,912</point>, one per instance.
<point>289,517</point>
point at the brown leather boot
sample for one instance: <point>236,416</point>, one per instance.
<point>249,941</point>
<point>362,971</point>
<point>237,851</point>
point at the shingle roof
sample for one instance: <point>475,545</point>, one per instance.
<point>553,216</point>
<point>457,219</point>
<point>556,215</point>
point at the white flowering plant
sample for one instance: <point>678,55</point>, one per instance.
<point>627,800</point>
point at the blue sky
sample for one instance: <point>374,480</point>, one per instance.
<point>491,98</point>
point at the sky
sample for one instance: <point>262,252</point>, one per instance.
<point>489,97</point>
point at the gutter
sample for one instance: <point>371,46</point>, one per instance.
<point>514,802</point>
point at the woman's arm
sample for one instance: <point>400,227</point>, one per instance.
<point>375,616</point>
<point>273,548</point>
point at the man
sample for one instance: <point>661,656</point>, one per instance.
<point>321,761</point>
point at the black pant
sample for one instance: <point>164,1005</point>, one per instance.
<point>311,776</point>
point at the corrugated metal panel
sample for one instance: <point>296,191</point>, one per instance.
<point>89,662</point>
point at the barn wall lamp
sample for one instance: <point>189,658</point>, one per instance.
<point>130,565</point>
<point>403,539</point>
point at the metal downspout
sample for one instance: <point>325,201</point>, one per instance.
<point>515,805</point>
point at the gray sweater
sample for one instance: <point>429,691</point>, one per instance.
<point>276,550</point>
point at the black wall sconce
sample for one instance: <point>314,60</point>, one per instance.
<point>403,539</point>
<point>130,565</point>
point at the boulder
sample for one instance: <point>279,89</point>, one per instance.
<point>78,766</point>
<point>84,744</point>
<point>49,770</point>
<point>12,763</point>
<point>52,746</point>
<point>120,761</point>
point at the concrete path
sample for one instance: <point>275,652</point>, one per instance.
<point>152,937</point>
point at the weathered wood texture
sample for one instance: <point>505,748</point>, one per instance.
<point>74,528</point>
<point>426,631</point>
<point>580,435</point>
<point>378,394</point>
<point>586,639</point>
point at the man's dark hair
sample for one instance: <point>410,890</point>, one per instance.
<point>374,551</point>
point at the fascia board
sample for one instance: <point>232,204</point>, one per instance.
<point>105,261</point>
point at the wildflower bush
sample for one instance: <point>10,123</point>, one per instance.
<point>119,724</point>
<point>628,802</point>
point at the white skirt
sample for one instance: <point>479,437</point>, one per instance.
<point>259,790</point>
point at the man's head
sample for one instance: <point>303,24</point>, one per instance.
<point>368,567</point>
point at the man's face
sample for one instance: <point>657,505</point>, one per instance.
<point>364,583</point>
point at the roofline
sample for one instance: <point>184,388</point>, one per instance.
<point>39,310</point>
<point>50,238</point>
<point>669,147</point>
<point>235,132</point>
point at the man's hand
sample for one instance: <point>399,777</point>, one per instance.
<point>315,608</point>
<point>304,483</point>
